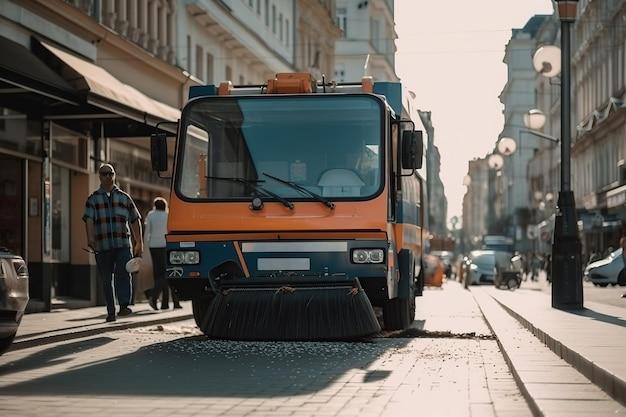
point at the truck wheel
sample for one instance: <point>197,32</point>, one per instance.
<point>399,313</point>
<point>5,343</point>
<point>512,283</point>
<point>200,306</point>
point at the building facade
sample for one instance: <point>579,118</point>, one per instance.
<point>544,168</point>
<point>317,33</point>
<point>367,44</point>
<point>518,97</point>
<point>437,201</point>
<point>242,41</point>
<point>475,200</point>
<point>83,83</point>
<point>599,83</point>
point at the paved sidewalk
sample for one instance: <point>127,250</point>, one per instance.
<point>592,340</point>
<point>57,325</point>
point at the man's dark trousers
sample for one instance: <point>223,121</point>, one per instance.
<point>112,267</point>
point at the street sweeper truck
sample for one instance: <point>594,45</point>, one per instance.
<point>296,207</point>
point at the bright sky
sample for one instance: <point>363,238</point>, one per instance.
<point>450,54</point>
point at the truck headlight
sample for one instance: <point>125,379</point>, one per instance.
<point>368,256</point>
<point>187,257</point>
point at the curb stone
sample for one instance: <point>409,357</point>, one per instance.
<point>604,379</point>
<point>59,337</point>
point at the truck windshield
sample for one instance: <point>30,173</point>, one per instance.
<point>330,145</point>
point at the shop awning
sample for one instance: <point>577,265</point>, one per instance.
<point>105,91</point>
<point>22,72</point>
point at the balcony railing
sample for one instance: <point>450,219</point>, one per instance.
<point>89,7</point>
<point>152,29</point>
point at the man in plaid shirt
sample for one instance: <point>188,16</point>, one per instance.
<point>111,219</point>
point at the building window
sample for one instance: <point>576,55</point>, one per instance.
<point>280,26</point>
<point>209,68</point>
<point>258,7</point>
<point>375,34</point>
<point>287,31</point>
<point>69,147</point>
<point>267,13</point>
<point>199,61</point>
<point>18,133</point>
<point>340,73</point>
<point>188,53</point>
<point>229,73</point>
<point>60,208</point>
<point>342,20</point>
<point>242,80</point>
<point>274,19</point>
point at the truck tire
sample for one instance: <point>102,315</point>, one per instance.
<point>399,313</point>
<point>200,306</point>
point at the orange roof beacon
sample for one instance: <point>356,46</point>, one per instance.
<point>296,206</point>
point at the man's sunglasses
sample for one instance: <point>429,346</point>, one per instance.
<point>107,174</point>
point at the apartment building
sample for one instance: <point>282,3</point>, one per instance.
<point>82,82</point>
<point>317,32</point>
<point>545,166</point>
<point>367,44</point>
<point>599,84</point>
<point>475,202</point>
<point>243,41</point>
<point>518,97</point>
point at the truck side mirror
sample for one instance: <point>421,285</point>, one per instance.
<point>158,151</point>
<point>412,149</point>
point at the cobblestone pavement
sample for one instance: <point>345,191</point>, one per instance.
<point>172,369</point>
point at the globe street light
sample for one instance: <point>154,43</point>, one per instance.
<point>547,60</point>
<point>506,146</point>
<point>495,161</point>
<point>567,291</point>
<point>534,119</point>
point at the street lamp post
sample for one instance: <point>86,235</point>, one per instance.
<point>567,292</point>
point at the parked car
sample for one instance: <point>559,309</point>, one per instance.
<point>605,271</point>
<point>482,265</point>
<point>446,258</point>
<point>13,296</point>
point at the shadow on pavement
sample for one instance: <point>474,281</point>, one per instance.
<point>606,318</point>
<point>52,356</point>
<point>99,317</point>
<point>197,366</point>
<point>104,315</point>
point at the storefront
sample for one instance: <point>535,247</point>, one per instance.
<point>60,118</point>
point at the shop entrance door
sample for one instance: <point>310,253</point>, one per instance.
<point>12,204</point>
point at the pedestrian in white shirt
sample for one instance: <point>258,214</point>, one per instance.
<point>156,228</point>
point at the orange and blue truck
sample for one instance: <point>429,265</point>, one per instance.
<point>295,181</point>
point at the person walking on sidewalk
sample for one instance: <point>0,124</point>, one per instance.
<point>156,228</point>
<point>111,220</point>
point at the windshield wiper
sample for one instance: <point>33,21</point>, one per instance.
<point>257,187</point>
<point>303,190</point>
